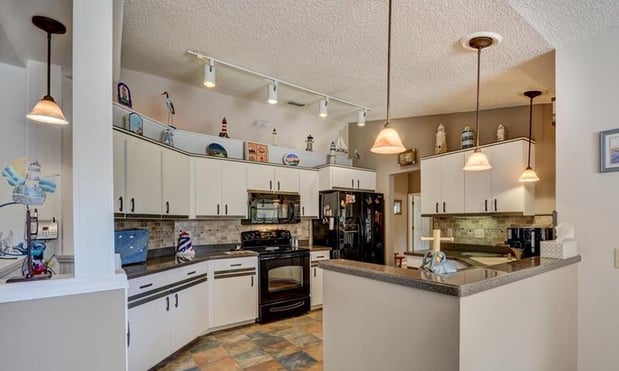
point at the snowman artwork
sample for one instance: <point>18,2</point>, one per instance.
<point>441,140</point>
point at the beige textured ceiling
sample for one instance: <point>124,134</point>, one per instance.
<point>339,47</point>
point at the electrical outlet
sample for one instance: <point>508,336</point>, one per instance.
<point>450,232</point>
<point>479,233</point>
<point>617,258</point>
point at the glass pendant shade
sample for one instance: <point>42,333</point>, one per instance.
<point>388,142</point>
<point>528,176</point>
<point>477,161</point>
<point>47,111</point>
<point>272,94</point>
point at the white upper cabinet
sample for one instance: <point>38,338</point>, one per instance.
<point>508,194</point>
<point>338,177</point>
<point>142,177</point>
<point>175,183</point>
<point>221,188</point>
<point>442,184</point>
<point>272,178</point>
<point>119,173</point>
<point>308,189</point>
<point>446,188</point>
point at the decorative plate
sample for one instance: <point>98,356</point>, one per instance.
<point>216,150</point>
<point>291,159</point>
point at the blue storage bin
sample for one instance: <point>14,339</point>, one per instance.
<point>132,245</point>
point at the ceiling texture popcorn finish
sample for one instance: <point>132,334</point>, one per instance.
<point>338,47</point>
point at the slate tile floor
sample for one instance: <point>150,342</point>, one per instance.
<point>290,344</point>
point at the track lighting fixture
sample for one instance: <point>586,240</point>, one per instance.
<point>478,161</point>
<point>209,82</point>
<point>388,141</point>
<point>322,112</point>
<point>361,117</point>
<point>209,74</point>
<point>46,110</point>
<point>272,93</point>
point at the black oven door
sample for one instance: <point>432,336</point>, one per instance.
<point>284,276</point>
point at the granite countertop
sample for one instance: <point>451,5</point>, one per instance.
<point>156,264</point>
<point>464,282</point>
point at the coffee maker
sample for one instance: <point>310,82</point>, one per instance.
<point>527,239</point>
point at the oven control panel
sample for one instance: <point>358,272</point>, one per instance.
<point>266,235</point>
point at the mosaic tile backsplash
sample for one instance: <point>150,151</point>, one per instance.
<point>163,233</point>
<point>462,229</point>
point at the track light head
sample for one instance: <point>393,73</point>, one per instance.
<point>209,74</point>
<point>272,93</point>
<point>361,117</point>
<point>322,112</point>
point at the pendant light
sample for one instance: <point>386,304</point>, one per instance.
<point>46,110</point>
<point>388,141</point>
<point>529,175</point>
<point>272,93</point>
<point>322,107</point>
<point>478,161</point>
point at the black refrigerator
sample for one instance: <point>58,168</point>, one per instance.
<point>352,224</point>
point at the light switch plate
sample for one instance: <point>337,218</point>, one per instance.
<point>617,258</point>
<point>479,233</point>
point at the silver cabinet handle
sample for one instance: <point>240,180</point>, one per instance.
<point>358,184</point>
<point>314,272</point>
<point>167,303</point>
<point>278,185</point>
<point>226,207</point>
<point>437,207</point>
<point>486,204</point>
<point>120,199</point>
<point>495,205</point>
<point>270,184</point>
<point>176,300</point>
<point>217,209</point>
<point>252,281</point>
<point>444,206</point>
<point>132,204</point>
<point>167,207</point>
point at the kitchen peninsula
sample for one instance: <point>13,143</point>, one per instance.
<point>520,315</point>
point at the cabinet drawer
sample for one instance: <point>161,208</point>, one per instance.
<point>233,265</point>
<point>319,255</point>
<point>144,284</point>
<point>187,272</point>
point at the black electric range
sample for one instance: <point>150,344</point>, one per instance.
<point>283,274</point>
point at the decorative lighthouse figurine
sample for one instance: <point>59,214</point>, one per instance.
<point>224,129</point>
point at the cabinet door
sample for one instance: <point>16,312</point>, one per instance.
<point>143,177</point>
<point>120,204</point>
<point>286,180</point>
<point>175,183</point>
<point>343,178</point>
<point>234,300</point>
<point>208,187</point>
<point>149,336</point>
<point>316,285</point>
<point>478,187</point>
<point>260,177</point>
<point>189,315</point>
<point>508,162</point>
<point>308,189</point>
<point>234,188</point>
<point>366,180</point>
<point>452,183</point>
<point>430,185</point>
<point>316,280</point>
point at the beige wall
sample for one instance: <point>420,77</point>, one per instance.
<point>67,333</point>
<point>587,94</point>
<point>419,133</point>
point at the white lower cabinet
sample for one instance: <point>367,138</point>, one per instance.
<point>316,277</point>
<point>233,290</point>
<point>170,315</point>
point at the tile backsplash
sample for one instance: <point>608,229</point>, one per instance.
<point>463,228</point>
<point>163,233</point>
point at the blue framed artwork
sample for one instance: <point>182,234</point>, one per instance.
<point>609,150</point>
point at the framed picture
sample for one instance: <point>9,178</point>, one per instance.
<point>609,150</point>
<point>407,157</point>
<point>256,152</point>
<point>134,123</point>
<point>397,207</point>
<point>124,94</point>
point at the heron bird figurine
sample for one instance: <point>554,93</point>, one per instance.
<point>170,107</point>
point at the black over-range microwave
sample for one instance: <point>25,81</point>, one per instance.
<point>273,208</point>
